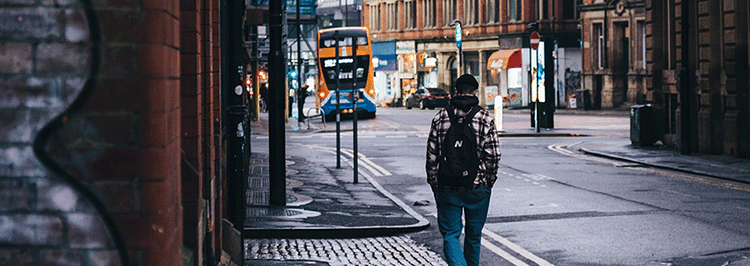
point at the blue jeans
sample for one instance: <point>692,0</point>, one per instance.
<point>474,205</point>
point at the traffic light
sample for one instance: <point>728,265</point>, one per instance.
<point>262,75</point>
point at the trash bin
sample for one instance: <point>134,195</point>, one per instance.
<point>641,125</point>
<point>583,99</point>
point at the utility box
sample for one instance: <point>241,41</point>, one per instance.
<point>546,115</point>
<point>641,125</point>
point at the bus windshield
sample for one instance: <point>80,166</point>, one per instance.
<point>345,38</point>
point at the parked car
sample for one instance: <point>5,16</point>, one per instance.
<point>428,98</point>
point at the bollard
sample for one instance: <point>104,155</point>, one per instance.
<point>499,113</point>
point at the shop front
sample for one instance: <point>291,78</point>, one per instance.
<point>385,64</point>
<point>407,70</point>
<point>505,77</point>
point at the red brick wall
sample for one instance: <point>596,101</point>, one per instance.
<point>200,129</point>
<point>140,80</point>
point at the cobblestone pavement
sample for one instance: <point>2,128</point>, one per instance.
<point>394,250</point>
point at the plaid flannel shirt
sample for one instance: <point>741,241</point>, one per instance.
<point>488,149</point>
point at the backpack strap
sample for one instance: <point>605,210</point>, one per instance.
<point>474,110</point>
<point>451,114</point>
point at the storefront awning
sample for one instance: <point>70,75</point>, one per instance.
<point>504,59</point>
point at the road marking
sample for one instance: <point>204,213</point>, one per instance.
<point>505,255</point>
<point>375,169</point>
<point>562,149</point>
<point>518,249</point>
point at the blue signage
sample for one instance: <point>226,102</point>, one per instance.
<point>458,35</point>
<point>385,62</point>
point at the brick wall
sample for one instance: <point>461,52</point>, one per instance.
<point>200,132</point>
<point>48,216</point>
<point>120,146</point>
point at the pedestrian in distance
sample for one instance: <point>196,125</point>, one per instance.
<point>463,153</point>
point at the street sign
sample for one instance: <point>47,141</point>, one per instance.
<point>458,35</point>
<point>534,41</point>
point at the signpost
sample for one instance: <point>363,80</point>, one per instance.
<point>457,22</point>
<point>534,44</point>
<point>534,41</point>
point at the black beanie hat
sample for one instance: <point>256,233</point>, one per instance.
<point>467,79</point>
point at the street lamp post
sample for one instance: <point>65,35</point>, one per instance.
<point>457,23</point>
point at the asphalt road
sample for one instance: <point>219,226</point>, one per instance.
<point>554,206</point>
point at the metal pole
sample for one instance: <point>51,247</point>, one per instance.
<point>355,99</point>
<point>461,61</point>
<point>536,90</point>
<point>338,101</point>
<point>276,119</point>
<point>235,108</point>
<point>300,93</point>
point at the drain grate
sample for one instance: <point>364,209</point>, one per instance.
<point>257,198</point>
<point>266,212</point>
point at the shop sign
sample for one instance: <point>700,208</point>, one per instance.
<point>405,47</point>
<point>430,62</point>
<point>385,62</point>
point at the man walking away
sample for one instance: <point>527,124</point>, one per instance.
<point>462,180</point>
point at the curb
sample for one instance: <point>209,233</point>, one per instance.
<point>344,231</point>
<point>516,135</point>
<point>689,171</point>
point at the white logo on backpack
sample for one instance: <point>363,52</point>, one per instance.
<point>458,144</point>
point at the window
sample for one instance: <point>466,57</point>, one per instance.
<point>374,17</point>
<point>429,11</point>
<point>598,51</point>
<point>410,14</point>
<point>392,15</point>
<point>449,11</point>
<point>514,10</point>
<point>543,8</point>
<point>569,9</point>
<point>493,11</point>
<point>471,12</point>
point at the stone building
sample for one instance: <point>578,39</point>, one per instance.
<point>110,134</point>
<point>709,110</point>
<point>614,52</point>
<point>492,32</point>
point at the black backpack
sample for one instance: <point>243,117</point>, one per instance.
<point>459,164</point>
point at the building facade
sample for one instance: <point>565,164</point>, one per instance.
<point>493,31</point>
<point>614,53</point>
<point>339,13</point>
<point>709,110</point>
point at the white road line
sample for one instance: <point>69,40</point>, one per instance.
<point>382,170</point>
<point>518,249</point>
<point>375,169</point>
<point>500,252</point>
<point>503,254</point>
